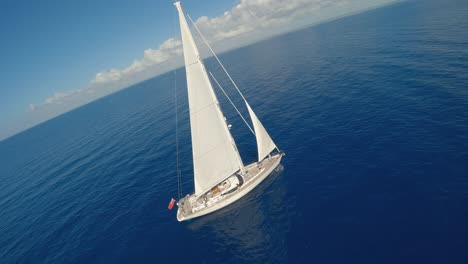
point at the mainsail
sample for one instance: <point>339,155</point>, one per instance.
<point>215,154</point>
<point>265,144</point>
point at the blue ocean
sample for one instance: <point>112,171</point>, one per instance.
<point>371,110</point>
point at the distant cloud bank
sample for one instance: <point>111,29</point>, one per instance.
<point>249,19</point>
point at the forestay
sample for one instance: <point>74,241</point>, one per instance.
<point>215,154</point>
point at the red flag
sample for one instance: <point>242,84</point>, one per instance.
<point>171,204</point>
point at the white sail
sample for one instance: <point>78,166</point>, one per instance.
<point>265,144</point>
<point>215,154</point>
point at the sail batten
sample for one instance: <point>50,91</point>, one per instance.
<point>265,144</point>
<point>215,155</point>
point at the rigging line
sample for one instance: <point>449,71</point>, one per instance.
<point>216,57</point>
<point>179,180</point>
<point>227,96</point>
<point>179,183</point>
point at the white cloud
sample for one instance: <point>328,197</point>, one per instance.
<point>58,98</point>
<point>167,50</point>
<point>254,15</point>
<point>111,75</point>
<point>32,107</point>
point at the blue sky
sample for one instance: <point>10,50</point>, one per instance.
<point>49,46</point>
<point>56,55</point>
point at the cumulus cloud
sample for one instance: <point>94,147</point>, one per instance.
<point>254,15</point>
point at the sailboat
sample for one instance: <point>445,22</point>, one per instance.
<point>220,176</point>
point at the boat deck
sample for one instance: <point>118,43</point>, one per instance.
<point>255,168</point>
<point>192,206</point>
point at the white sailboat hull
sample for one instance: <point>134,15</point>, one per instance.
<point>193,206</point>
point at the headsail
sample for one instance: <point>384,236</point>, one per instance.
<point>215,154</point>
<point>265,144</point>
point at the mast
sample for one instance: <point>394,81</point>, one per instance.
<point>215,154</point>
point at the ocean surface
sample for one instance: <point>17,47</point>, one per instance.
<point>371,110</point>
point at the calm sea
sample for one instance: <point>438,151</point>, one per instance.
<point>371,110</point>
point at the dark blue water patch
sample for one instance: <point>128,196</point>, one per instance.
<point>372,111</point>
